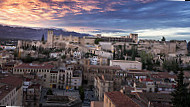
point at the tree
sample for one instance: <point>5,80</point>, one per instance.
<point>134,52</point>
<point>15,53</point>
<point>81,92</point>
<point>114,54</point>
<point>163,38</point>
<point>63,56</point>
<point>171,65</point>
<point>97,40</point>
<point>121,55</point>
<point>181,96</point>
<point>124,50</point>
<point>28,59</point>
<point>147,60</point>
<point>43,38</point>
<point>49,92</point>
<point>188,46</point>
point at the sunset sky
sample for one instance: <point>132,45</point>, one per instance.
<point>151,19</point>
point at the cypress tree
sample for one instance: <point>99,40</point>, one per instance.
<point>124,52</point>
<point>181,96</point>
<point>42,38</point>
<point>163,39</point>
<point>114,54</point>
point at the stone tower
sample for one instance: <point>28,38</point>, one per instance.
<point>134,37</point>
<point>50,38</point>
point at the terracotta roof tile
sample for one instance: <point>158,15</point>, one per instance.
<point>35,66</point>
<point>121,100</point>
<point>4,90</point>
<point>104,67</point>
<point>12,80</point>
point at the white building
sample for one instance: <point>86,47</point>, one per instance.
<point>54,55</point>
<point>126,65</point>
<point>77,54</point>
<point>94,60</point>
<point>104,54</point>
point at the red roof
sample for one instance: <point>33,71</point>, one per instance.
<point>5,91</point>
<point>121,100</point>
<point>34,66</point>
<point>187,73</point>
<point>134,70</point>
<point>163,75</point>
<point>35,86</point>
<point>104,67</point>
<point>12,80</point>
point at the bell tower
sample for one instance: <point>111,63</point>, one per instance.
<point>50,38</point>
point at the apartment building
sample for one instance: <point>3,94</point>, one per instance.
<point>73,78</point>
<point>11,91</point>
<point>103,84</point>
<point>7,95</point>
<point>91,71</point>
<point>45,70</point>
<point>32,95</point>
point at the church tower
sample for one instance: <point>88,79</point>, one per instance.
<point>50,38</point>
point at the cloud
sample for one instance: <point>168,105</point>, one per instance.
<point>169,33</point>
<point>109,17</point>
<point>145,1</point>
<point>38,10</point>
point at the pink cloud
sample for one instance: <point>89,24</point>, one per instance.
<point>35,11</point>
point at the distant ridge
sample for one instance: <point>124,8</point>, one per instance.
<point>9,32</point>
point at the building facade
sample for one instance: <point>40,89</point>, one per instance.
<point>127,65</point>
<point>102,84</point>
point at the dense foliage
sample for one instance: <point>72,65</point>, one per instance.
<point>171,65</point>
<point>97,40</point>
<point>147,60</point>
<point>181,96</point>
<point>81,92</point>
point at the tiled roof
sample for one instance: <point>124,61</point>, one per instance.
<point>35,66</point>
<point>121,100</point>
<point>154,97</point>
<point>12,80</point>
<point>163,75</point>
<point>134,70</point>
<point>187,74</point>
<point>4,90</point>
<point>104,67</point>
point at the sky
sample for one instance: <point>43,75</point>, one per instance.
<point>151,19</point>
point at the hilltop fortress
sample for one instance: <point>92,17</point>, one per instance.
<point>54,41</point>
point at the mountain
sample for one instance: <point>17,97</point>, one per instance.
<point>9,32</point>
